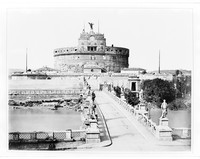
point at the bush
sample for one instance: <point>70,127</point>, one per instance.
<point>117,91</point>
<point>131,97</point>
<point>177,104</point>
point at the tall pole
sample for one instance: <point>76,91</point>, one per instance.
<point>26,59</point>
<point>159,63</point>
<point>98,26</point>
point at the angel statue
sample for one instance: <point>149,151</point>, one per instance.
<point>91,25</point>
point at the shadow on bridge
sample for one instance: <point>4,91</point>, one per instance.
<point>122,135</point>
<point>114,118</point>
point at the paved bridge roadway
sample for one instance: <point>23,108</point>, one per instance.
<point>127,134</point>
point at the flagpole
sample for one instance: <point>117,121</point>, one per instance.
<point>159,63</point>
<point>26,59</point>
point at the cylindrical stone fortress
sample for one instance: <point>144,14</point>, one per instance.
<point>91,50</point>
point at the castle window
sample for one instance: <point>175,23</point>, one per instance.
<point>92,48</point>
<point>75,49</point>
<point>55,51</point>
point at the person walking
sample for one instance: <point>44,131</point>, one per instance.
<point>80,100</point>
<point>93,96</point>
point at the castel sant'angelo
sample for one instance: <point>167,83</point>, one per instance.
<point>91,55</point>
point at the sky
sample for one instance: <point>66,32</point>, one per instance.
<point>143,31</point>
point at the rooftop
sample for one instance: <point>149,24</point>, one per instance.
<point>45,68</point>
<point>133,69</point>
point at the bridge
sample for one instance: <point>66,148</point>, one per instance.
<point>127,133</point>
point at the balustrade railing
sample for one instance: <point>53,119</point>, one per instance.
<point>78,134</point>
<point>58,135</point>
<point>142,116</point>
<point>184,133</point>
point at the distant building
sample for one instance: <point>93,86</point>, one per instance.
<point>149,76</point>
<point>91,48</point>
<point>47,70</point>
<point>135,71</point>
<point>28,75</point>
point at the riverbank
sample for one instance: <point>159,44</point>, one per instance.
<point>53,104</point>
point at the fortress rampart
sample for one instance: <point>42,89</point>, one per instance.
<point>91,49</point>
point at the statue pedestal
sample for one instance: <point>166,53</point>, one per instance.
<point>122,97</point>
<point>93,135</point>
<point>142,107</point>
<point>140,110</point>
<point>93,123</point>
<point>163,131</point>
<point>164,121</point>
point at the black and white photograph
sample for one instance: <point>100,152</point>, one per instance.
<point>100,78</point>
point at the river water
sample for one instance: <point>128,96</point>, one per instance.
<point>43,119</point>
<point>177,119</point>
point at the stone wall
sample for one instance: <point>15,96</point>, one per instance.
<point>75,62</point>
<point>34,95</point>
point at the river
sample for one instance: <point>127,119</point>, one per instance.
<point>43,119</point>
<point>177,119</point>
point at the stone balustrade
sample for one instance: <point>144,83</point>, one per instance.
<point>47,136</point>
<point>90,121</point>
<point>161,131</point>
<point>184,133</point>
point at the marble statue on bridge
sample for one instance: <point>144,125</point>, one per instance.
<point>141,95</point>
<point>164,109</point>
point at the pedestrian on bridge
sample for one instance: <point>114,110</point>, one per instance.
<point>93,96</point>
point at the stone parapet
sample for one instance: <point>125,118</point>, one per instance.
<point>161,132</point>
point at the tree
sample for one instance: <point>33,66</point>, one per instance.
<point>131,97</point>
<point>157,90</point>
<point>183,85</point>
<point>117,91</point>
